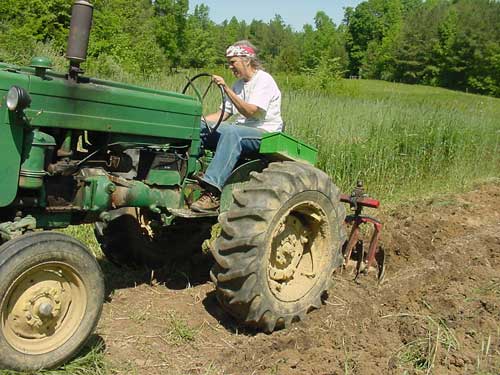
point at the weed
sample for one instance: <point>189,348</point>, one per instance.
<point>85,233</point>
<point>213,369</point>
<point>488,357</point>
<point>141,316</point>
<point>349,364</point>
<point>492,287</point>
<point>483,356</point>
<point>422,353</point>
<point>179,331</point>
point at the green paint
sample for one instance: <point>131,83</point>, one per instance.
<point>53,220</point>
<point>104,106</point>
<point>33,159</point>
<point>97,194</point>
<point>11,138</point>
<point>163,178</point>
<point>139,194</point>
<point>282,146</point>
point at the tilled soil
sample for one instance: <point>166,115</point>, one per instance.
<point>437,311</point>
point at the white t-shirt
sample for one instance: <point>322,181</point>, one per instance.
<point>263,92</point>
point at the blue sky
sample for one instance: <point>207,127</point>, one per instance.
<point>295,13</point>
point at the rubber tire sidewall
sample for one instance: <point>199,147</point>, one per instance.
<point>23,253</point>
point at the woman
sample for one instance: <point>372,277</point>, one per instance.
<point>255,100</point>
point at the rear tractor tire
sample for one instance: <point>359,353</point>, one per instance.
<point>128,240</point>
<point>281,241</point>
<point>51,296</point>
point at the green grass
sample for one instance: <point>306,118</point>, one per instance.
<point>402,141</point>
<point>178,331</point>
<point>90,361</point>
<point>421,353</point>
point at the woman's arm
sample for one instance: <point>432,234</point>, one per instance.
<point>214,117</point>
<point>246,109</point>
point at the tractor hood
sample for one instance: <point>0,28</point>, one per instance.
<point>99,105</point>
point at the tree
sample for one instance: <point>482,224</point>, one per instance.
<point>123,38</point>
<point>373,29</point>
<point>24,23</point>
<point>200,41</point>
<point>170,19</point>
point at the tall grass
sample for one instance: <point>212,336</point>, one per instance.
<point>400,140</point>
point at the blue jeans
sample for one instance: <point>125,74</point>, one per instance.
<point>230,143</point>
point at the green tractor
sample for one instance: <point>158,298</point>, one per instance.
<point>78,150</point>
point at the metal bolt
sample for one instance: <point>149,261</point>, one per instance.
<point>45,310</point>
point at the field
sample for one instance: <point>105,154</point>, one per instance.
<point>433,157</point>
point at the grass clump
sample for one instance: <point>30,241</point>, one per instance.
<point>90,361</point>
<point>179,332</point>
<point>488,358</point>
<point>427,349</point>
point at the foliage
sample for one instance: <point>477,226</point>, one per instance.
<point>123,36</point>
<point>90,361</point>
<point>453,44</point>
<point>448,43</point>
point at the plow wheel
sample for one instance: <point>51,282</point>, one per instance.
<point>51,295</point>
<point>281,240</point>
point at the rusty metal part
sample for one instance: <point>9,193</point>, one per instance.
<point>375,257</point>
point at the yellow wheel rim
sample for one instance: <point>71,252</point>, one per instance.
<point>298,251</point>
<point>43,308</point>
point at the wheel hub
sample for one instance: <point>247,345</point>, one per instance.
<point>298,251</point>
<point>43,307</point>
<point>290,246</point>
<point>37,313</point>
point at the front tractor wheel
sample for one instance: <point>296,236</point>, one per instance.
<point>51,296</point>
<point>281,241</point>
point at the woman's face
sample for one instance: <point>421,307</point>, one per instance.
<point>240,67</point>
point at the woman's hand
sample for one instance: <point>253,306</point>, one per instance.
<point>219,81</point>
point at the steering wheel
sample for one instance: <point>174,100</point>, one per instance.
<point>201,97</point>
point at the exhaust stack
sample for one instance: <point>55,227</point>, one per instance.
<point>79,33</point>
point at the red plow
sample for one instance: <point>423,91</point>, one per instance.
<point>358,260</point>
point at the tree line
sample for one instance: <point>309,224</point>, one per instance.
<point>448,43</point>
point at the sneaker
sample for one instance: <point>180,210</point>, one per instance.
<point>206,203</point>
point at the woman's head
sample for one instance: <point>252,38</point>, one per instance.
<point>242,59</point>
